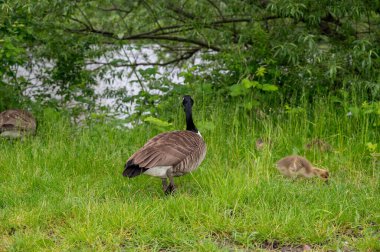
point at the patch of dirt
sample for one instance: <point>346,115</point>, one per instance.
<point>276,246</point>
<point>225,241</point>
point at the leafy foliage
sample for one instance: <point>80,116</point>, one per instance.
<point>160,124</point>
<point>243,48</point>
<point>13,33</point>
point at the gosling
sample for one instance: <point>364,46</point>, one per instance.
<point>319,144</point>
<point>262,143</point>
<point>297,166</point>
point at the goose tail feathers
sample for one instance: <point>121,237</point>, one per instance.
<point>132,170</point>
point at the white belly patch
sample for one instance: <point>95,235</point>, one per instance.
<point>158,171</point>
<point>11,134</point>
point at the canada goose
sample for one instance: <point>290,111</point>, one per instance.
<point>169,154</point>
<point>297,166</point>
<point>319,144</point>
<point>16,123</point>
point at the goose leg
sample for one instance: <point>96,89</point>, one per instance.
<point>171,188</point>
<point>164,184</point>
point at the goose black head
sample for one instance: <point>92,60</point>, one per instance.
<point>187,101</point>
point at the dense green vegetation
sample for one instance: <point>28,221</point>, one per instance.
<point>287,71</point>
<point>301,47</point>
<point>63,189</point>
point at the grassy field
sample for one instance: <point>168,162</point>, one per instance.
<point>63,189</point>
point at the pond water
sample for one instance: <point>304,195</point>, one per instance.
<point>114,79</point>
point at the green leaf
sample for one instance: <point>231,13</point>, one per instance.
<point>371,147</point>
<point>260,72</point>
<point>336,99</point>
<point>248,83</point>
<point>116,62</point>
<point>269,87</point>
<point>237,89</point>
<point>157,122</point>
<point>148,71</point>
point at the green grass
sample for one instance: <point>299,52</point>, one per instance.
<point>63,189</point>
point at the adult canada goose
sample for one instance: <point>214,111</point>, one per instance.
<point>169,154</point>
<point>297,166</point>
<point>16,123</point>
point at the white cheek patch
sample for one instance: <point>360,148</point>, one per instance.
<point>158,171</point>
<point>199,134</point>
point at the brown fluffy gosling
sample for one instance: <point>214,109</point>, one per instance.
<point>297,166</point>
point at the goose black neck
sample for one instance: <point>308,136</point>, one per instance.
<point>189,119</point>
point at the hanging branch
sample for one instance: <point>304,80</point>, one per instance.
<point>122,63</point>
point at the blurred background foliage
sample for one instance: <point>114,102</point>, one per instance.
<point>260,54</point>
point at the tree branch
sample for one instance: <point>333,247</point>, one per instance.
<point>114,8</point>
<point>80,21</point>
<point>217,8</point>
<point>181,12</point>
<point>177,60</point>
<point>85,18</point>
<point>160,34</point>
<point>177,39</point>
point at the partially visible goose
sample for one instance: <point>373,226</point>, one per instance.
<point>16,123</point>
<point>297,166</point>
<point>262,143</point>
<point>169,154</point>
<point>319,144</point>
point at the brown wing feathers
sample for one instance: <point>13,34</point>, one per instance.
<point>15,119</point>
<point>166,149</point>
